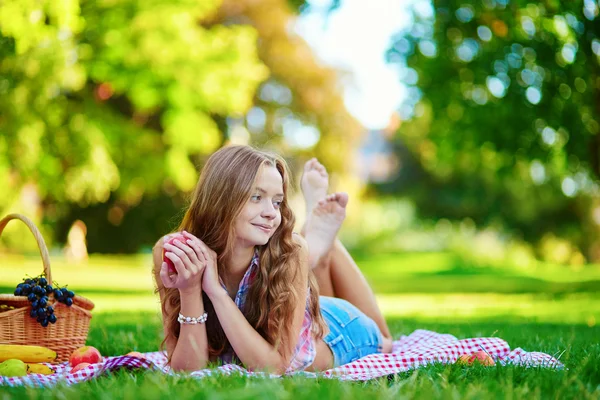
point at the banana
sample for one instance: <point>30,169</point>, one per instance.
<point>39,369</point>
<point>32,354</point>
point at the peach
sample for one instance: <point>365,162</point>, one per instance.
<point>136,354</point>
<point>85,354</point>
<point>480,357</point>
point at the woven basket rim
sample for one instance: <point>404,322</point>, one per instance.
<point>80,301</point>
<point>16,310</point>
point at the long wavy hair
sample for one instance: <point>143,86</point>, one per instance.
<point>224,187</point>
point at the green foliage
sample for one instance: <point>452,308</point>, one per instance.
<point>108,108</point>
<point>115,96</point>
<point>505,124</point>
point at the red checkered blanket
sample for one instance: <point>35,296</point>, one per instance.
<point>418,349</point>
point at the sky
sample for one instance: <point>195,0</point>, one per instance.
<point>354,39</point>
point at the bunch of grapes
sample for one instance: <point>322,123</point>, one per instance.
<point>37,291</point>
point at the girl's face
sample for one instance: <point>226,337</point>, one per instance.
<point>260,217</point>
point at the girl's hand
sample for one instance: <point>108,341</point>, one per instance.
<point>210,277</point>
<point>188,262</point>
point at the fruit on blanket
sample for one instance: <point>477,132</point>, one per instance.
<point>13,367</point>
<point>85,354</point>
<point>136,354</point>
<point>39,369</point>
<point>480,357</point>
<point>79,367</point>
<point>170,265</point>
<point>33,354</point>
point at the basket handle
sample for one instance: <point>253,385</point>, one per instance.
<point>38,237</point>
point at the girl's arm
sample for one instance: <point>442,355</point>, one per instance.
<point>250,347</point>
<point>189,352</point>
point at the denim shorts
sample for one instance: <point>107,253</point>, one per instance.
<point>352,334</point>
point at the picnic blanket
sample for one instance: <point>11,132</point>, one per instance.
<point>418,349</point>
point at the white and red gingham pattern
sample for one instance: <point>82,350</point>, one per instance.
<point>418,349</point>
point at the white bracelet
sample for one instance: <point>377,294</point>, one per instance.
<point>191,320</point>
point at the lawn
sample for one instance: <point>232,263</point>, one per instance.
<point>549,309</point>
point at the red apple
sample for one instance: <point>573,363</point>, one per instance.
<point>170,265</point>
<point>136,354</point>
<point>86,354</point>
<point>79,367</point>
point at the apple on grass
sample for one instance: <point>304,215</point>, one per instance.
<point>85,354</point>
<point>480,357</point>
<point>170,240</point>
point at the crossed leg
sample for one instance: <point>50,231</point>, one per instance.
<point>336,272</point>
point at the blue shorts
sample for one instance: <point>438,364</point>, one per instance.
<point>352,334</point>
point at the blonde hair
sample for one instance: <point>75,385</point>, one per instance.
<point>224,187</point>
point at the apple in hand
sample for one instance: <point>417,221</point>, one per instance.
<point>79,367</point>
<point>170,265</point>
<point>86,354</point>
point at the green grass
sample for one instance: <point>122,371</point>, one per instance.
<point>553,310</point>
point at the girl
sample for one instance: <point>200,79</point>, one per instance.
<point>247,287</point>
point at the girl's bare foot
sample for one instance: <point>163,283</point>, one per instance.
<point>314,184</point>
<point>323,224</point>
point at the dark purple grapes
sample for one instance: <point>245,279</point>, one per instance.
<point>39,293</point>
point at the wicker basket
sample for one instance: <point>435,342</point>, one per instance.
<point>17,327</point>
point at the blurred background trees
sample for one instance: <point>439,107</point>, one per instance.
<point>109,108</point>
<point>502,118</point>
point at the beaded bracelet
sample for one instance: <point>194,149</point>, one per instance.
<point>191,320</point>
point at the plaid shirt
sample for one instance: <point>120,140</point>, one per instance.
<point>305,351</point>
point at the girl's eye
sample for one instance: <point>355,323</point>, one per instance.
<point>277,204</point>
<point>256,197</point>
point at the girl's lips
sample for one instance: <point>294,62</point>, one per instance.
<point>263,228</point>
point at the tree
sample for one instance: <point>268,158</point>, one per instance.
<point>97,99</point>
<point>502,116</point>
<point>107,111</point>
